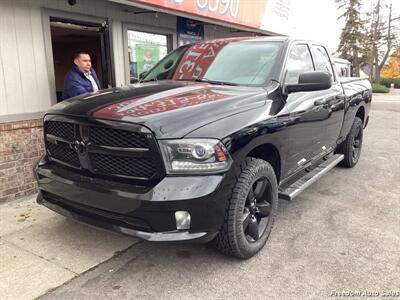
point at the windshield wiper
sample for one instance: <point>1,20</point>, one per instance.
<point>214,81</point>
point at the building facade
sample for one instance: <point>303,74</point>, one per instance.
<point>124,37</point>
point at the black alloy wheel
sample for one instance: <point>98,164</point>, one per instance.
<point>351,146</point>
<point>357,142</point>
<point>250,211</point>
<point>257,209</point>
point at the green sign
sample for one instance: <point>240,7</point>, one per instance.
<point>147,55</point>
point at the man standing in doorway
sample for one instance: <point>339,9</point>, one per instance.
<point>81,78</point>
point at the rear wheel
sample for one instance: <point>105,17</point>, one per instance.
<point>351,146</point>
<point>251,210</point>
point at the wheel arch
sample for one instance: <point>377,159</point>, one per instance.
<point>361,113</point>
<point>270,154</point>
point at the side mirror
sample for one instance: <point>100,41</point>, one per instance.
<point>311,81</point>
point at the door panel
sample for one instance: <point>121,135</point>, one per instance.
<point>306,128</point>
<point>309,114</point>
<point>334,102</point>
<point>334,107</point>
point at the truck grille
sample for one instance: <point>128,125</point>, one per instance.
<point>117,138</point>
<point>62,152</point>
<point>111,165</point>
<point>129,152</point>
<point>60,129</point>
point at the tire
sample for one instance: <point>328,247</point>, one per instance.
<point>351,146</point>
<point>254,200</point>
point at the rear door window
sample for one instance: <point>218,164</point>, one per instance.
<point>299,61</point>
<point>321,60</point>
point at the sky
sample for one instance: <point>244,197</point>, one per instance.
<point>318,19</point>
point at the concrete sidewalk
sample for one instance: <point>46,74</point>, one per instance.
<point>40,250</point>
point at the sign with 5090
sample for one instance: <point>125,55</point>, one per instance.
<point>221,6</point>
<point>241,12</point>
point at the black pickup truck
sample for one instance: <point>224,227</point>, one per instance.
<point>202,148</point>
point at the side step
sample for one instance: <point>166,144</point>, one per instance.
<point>304,182</point>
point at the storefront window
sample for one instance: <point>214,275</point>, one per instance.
<point>144,51</point>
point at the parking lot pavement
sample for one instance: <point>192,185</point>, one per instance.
<point>342,234</point>
<point>40,250</point>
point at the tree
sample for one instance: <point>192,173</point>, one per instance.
<point>353,35</point>
<point>392,69</point>
<point>381,40</point>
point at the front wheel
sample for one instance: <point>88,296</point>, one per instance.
<point>251,210</point>
<point>351,146</point>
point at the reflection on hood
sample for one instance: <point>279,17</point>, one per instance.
<point>160,102</point>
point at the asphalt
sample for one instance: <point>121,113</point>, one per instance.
<point>341,235</point>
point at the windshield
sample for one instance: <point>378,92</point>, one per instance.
<point>220,62</point>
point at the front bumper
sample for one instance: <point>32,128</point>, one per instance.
<point>147,213</point>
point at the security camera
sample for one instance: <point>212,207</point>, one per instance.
<point>71,2</point>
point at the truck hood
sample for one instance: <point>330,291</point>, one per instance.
<point>171,109</point>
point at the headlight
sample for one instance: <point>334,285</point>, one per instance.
<point>195,156</point>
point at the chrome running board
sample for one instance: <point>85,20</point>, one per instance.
<point>304,182</point>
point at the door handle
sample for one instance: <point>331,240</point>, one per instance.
<point>319,102</point>
<point>341,97</point>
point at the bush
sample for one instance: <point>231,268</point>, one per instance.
<point>379,88</point>
<point>386,81</point>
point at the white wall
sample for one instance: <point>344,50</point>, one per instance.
<point>24,84</point>
<point>26,71</point>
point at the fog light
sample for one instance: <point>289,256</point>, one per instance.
<point>182,219</point>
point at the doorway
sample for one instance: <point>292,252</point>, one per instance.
<point>69,37</point>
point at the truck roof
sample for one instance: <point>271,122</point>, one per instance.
<point>262,38</point>
<point>341,60</point>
